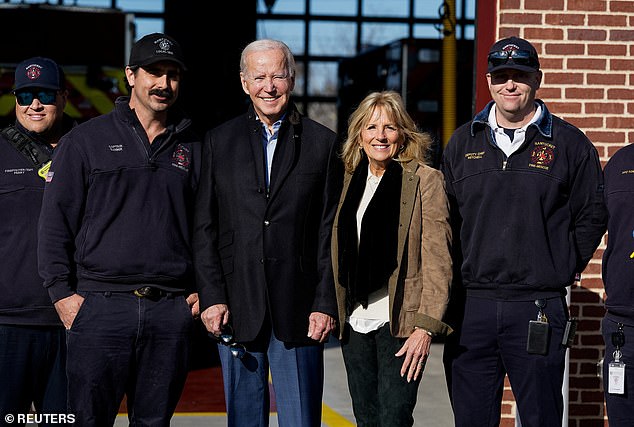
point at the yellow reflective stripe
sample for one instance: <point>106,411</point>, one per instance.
<point>97,98</point>
<point>7,104</point>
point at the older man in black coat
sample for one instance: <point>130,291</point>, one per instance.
<point>264,215</point>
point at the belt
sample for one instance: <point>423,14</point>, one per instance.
<point>154,293</point>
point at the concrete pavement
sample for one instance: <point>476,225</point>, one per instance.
<point>432,410</point>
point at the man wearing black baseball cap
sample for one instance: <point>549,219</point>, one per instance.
<point>32,338</point>
<point>114,245</point>
<point>525,189</point>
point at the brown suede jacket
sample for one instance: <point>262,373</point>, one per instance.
<point>424,237</point>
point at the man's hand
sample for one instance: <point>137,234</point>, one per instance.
<point>67,309</point>
<point>319,326</point>
<point>192,301</point>
<point>215,317</point>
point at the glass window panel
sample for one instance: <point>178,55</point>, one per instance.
<point>324,113</point>
<point>427,31</point>
<point>290,32</point>
<point>85,3</point>
<point>376,34</point>
<point>426,9</point>
<point>470,6</point>
<point>142,5</point>
<point>281,6</point>
<point>332,38</point>
<point>322,79</point>
<point>146,26</point>
<point>299,79</point>
<point>334,7</point>
<point>398,8</point>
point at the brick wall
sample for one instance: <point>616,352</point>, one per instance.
<point>586,49</point>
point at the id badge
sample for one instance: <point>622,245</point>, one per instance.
<point>538,336</point>
<point>616,376</point>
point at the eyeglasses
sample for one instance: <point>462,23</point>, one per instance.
<point>46,96</point>
<point>226,338</point>
<point>519,57</point>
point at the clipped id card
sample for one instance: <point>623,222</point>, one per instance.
<point>538,335</point>
<point>616,376</point>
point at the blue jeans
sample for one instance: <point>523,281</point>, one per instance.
<point>380,396</point>
<point>32,370</point>
<point>122,344</point>
<point>297,374</point>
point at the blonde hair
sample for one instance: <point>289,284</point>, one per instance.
<point>416,143</point>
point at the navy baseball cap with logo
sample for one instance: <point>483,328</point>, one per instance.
<point>513,53</point>
<point>156,47</point>
<point>39,72</point>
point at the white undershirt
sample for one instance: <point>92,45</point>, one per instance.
<point>502,140</point>
<point>364,320</point>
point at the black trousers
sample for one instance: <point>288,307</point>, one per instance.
<point>122,344</point>
<point>380,396</point>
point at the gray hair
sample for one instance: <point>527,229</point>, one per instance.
<point>269,44</point>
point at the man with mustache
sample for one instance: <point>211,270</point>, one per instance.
<point>114,245</point>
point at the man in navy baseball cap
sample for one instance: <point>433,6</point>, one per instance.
<point>513,53</point>
<point>39,72</point>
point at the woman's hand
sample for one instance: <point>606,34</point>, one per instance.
<point>416,350</point>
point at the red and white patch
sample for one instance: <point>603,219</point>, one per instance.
<point>33,71</point>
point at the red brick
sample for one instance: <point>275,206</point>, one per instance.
<point>583,93</point>
<point>585,383</point>
<point>544,5</point>
<point>618,64</point>
<point>622,6</point>
<point>547,93</point>
<point>607,21</point>
<point>552,78</point>
<point>582,409</point>
<point>611,49</point>
<point>614,137</point>
<point>543,33</point>
<point>586,64</point>
<point>588,310</point>
<point>584,295</point>
<point>620,93</point>
<point>587,5</point>
<point>509,4</point>
<point>565,19</point>
<point>620,122</point>
<point>520,18</point>
<point>621,35</point>
<point>603,107</point>
<point>606,79</point>
<point>560,108</point>
<point>630,108</point>
<point>566,49</point>
<point>613,149</point>
<point>586,34</point>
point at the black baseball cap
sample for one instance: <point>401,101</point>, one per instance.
<point>512,53</point>
<point>156,47</point>
<point>39,72</point>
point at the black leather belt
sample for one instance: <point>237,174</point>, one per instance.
<point>153,293</point>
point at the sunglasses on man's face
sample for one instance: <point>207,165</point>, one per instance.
<point>519,57</point>
<point>46,96</point>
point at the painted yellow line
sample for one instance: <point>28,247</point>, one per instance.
<point>329,417</point>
